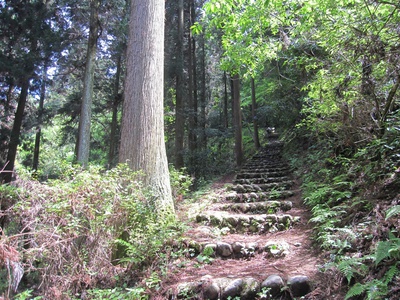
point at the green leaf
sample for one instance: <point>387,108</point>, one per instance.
<point>196,28</point>
<point>355,290</point>
<point>382,251</point>
<point>395,210</point>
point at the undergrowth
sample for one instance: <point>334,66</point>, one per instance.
<point>354,198</point>
<point>92,234</point>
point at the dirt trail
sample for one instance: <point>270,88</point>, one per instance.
<point>254,233</point>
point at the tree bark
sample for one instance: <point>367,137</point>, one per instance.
<point>203,92</point>
<point>36,150</point>
<point>142,132</point>
<point>86,107</point>
<point>192,96</point>
<point>6,175</point>
<point>179,106</point>
<point>225,108</point>
<point>114,119</point>
<point>237,121</point>
<point>253,114</point>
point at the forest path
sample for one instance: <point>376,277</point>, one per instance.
<point>248,239</point>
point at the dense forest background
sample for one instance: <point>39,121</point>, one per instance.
<point>324,74</point>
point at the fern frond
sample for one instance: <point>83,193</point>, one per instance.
<point>382,251</point>
<point>350,266</point>
<point>356,290</point>
<point>390,274</point>
<point>346,269</point>
<point>394,210</point>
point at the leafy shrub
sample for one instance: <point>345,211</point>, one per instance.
<point>180,181</point>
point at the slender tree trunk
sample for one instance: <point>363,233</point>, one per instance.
<point>36,150</point>
<point>179,107</point>
<point>114,119</point>
<point>15,133</point>
<point>237,121</point>
<point>86,107</point>
<point>253,114</point>
<point>232,100</point>
<point>4,132</point>
<point>192,95</point>
<point>225,108</point>
<point>390,100</point>
<point>142,132</point>
<point>202,123</point>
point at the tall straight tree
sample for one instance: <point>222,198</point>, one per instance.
<point>36,150</point>
<point>253,113</point>
<point>142,132</point>
<point>237,120</point>
<point>179,107</point>
<point>86,106</point>
<point>192,86</point>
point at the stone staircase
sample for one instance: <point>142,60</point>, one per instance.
<point>246,241</point>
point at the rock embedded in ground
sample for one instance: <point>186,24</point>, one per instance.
<point>250,289</point>
<point>211,291</point>
<point>276,248</point>
<point>224,249</point>
<point>237,247</point>
<point>299,285</point>
<point>232,289</point>
<point>274,283</point>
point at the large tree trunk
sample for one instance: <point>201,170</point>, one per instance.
<point>6,174</point>
<point>179,107</point>
<point>86,107</point>
<point>253,114</point>
<point>237,121</point>
<point>142,132</point>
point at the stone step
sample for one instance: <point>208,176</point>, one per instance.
<point>267,153</point>
<point>241,223</point>
<point>248,175</point>
<point>265,207</point>
<point>260,180</point>
<point>261,169</point>
<point>247,288</point>
<point>266,162</point>
<point>249,188</point>
<point>208,251</point>
<point>254,197</point>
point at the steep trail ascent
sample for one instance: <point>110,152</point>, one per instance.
<point>250,239</point>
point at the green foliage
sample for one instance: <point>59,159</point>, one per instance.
<point>393,211</point>
<point>265,293</point>
<point>335,188</point>
<point>75,222</point>
<point>244,41</point>
<point>180,181</point>
<point>350,267</point>
<point>118,294</point>
<point>206,257</point>
<point>25,295</point>
<point>376,288</point>
<point>388,249</point>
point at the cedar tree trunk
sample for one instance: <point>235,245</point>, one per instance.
<point>142,132</point>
